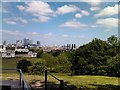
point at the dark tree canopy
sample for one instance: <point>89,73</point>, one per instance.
<point>23,65</point>
<point>94,57</point>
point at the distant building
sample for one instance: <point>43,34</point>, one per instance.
<point>69,47</point>
<point>19,43</point>
<point>24,53</point>
<point>38,43</point>
<point>21,50</point>
<point>6,53</point>
<point>32,54</point>
<point>27,42</point>
<point>4,43</point>
<point>16,53</point>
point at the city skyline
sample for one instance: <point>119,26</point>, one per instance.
<point>59,23</point>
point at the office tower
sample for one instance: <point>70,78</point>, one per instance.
<point>27,41</point>
<point>74,45</point>
<point>38,43</point>
<point>4,43</point>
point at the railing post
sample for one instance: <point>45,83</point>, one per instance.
<point>61,85</point>
<point>45,79</point>
<point>20,77</point>
<point>22,85</point>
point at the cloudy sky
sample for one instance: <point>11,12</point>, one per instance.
<point>59,23</point>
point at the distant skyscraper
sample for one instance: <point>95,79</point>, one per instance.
<point>27,41</point>
<point>38,43</point>
<point>67,46</point>
<point>30,42</point>
<point>74,45</point>
<point>4,43</point>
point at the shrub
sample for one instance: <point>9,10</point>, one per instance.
<point>23,65</point>
<point>37,68</point>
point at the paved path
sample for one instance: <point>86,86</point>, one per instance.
<point>15,84</point>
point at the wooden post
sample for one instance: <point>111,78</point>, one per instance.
<point>61,85</point>
<point>45,79</point>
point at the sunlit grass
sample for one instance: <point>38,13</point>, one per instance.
<point>78,81</point>
<point>12,62</point>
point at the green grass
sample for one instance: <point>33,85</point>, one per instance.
<point>12,62</point>
<point>83,81</point>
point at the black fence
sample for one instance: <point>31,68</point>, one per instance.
<point>22,82</point>
<point>62,83</point>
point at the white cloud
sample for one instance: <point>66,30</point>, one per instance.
<point>86,13</point>
<point>76,24</point>
<point>33,33</point>
<point>108,11</point>
<point>73,24</point>
<point>41,19</point>
<point>39,9</point>
<point>65,36</point>
<point>10,22</point>
<point>72,9</point>
<point>16,20</point>
<point>109,22</point>
<point>48,35</point>
<point>44,19</point>
<point>82,37</point>
<point>16,33</point>
<point>78,15</point>
<point>108,30</point>
<point>95,8</point>
<point>19,33</point>
<point>21,8</point>
<point>93,2</point>
<point>67,9</point>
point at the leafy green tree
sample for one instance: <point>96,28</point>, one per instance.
<point>113,40</point>
<point>38,68</point>
<point>114,64</point>
<point>63,64</point>
<point>49,60</point>
<point>88,58</point>
<point>23,65</point>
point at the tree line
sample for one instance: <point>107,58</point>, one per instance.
<point>97,57</point>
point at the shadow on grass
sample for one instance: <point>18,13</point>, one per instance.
<point>53,86</point>
<point>106,87</point>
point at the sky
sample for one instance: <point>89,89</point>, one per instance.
<point>58,23</point>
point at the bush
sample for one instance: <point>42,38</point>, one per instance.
<point>23,65</point>
<point>37,68</point>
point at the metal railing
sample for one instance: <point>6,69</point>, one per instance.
<point>23,83</point>
<point>62,83</point>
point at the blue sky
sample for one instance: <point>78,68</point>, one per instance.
<point>59,23</point>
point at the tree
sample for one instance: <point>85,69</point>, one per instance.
<point>113,40</point>
<point>62,63</point>
<point>23,65</point>
<point>114,64</point>
<point>38,68</point>
<point>88,58</point>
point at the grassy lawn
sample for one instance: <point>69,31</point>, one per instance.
<point>83,81</point>
<point>11,62</point>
